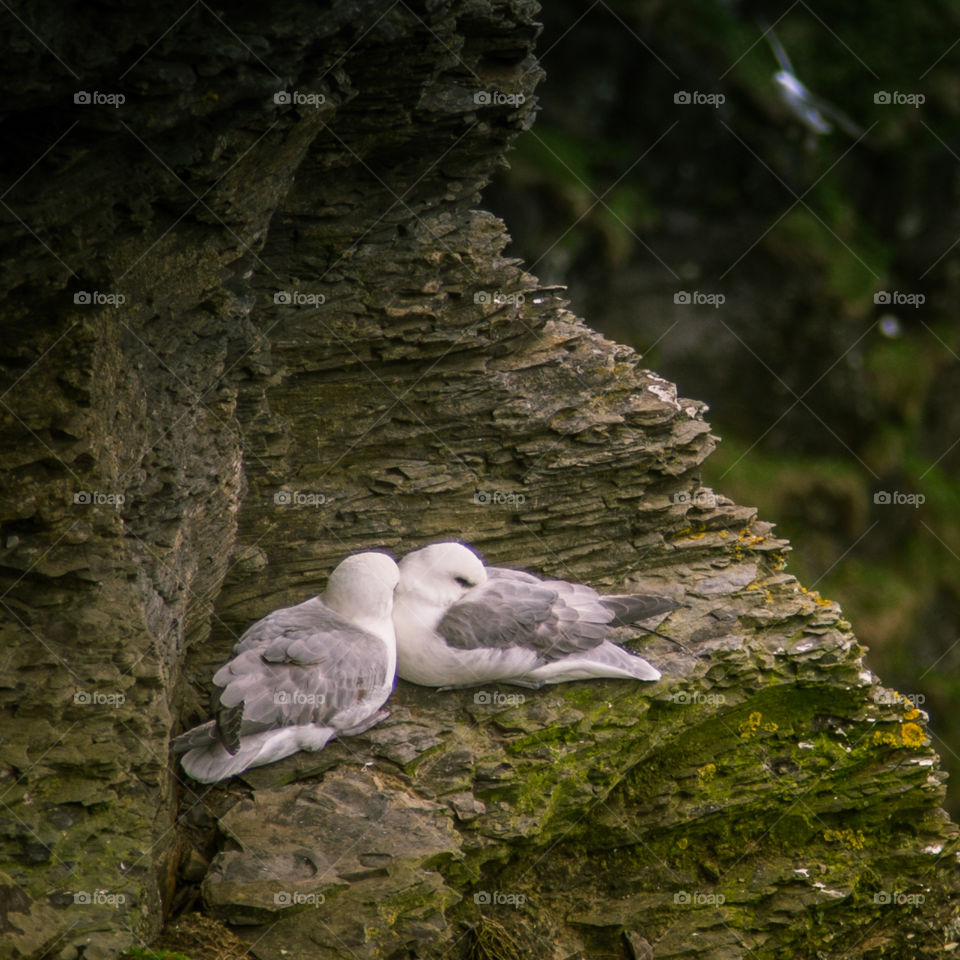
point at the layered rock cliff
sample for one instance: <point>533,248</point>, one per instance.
<point>255,319</point>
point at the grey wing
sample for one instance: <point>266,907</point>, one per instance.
<point>838,117</point>
<point>513,608</point>
<point>778,50</point>
<point>287,621</point>
<point>305,667</point>
<point>625,608</point>
<point>632,608</point>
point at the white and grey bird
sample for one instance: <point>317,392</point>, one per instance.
<point>303,675</point>
<point>814,113</point>
<point>460,623</point>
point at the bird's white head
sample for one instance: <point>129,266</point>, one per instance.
<point>440,574</point>
<point>363,585</point>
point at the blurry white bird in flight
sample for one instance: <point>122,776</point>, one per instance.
<point>810,110</point>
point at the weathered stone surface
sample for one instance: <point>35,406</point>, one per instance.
<point>330,351</point>
<point>762,795</point>
<point>352,865</point>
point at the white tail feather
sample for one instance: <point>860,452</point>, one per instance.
<point>606,660</point>
<point>212,763</point>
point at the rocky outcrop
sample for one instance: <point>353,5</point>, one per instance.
<point>768,795</point>
<point>321,346</point>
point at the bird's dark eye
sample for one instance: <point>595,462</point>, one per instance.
<point>463,581</point>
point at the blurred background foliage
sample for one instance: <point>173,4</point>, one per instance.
<point>824,394</point>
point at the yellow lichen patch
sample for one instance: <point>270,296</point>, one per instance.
<point>912,734</point>
<point>707,772</point>
<point>885,737</point>
<point>751,725</point>
<point>814,595</point>
<point>724,534</point>
<point>853,839</point>
<point>911,714</point>
<point>909,735</point>
<point>683,843</point>
<point>754,723</point>
<point>689,533</point>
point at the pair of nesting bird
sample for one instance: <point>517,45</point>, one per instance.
<point>303,675</point>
